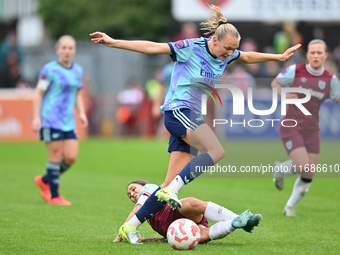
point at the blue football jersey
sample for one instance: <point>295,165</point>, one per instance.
<point>58,102</point>
<point>194,65</point>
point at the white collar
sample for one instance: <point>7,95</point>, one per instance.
<point>313,72</point>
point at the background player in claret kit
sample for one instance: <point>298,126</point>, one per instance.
<point>193,209</point>
<point>302,142</point>
<point>57,93</point>
<point>195,58</point>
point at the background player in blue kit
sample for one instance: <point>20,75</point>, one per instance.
<point>57,93</point>
<point>195,58</point>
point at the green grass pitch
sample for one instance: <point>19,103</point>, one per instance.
<point>96,187</point>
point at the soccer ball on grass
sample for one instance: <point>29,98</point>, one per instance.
<point>183,234</point>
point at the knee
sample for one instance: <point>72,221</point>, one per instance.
<point>196,204</point>
<point>70,159</point>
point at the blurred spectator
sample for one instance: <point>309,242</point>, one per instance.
<point>189,30</point>
<point>336,54</point>
<point>131,112</point>
<point>241,78</point>
<point>155,91</point>
<point>286,38</point>
<point>10,61</point>
<point>318,33</point>
<point>248,44</point>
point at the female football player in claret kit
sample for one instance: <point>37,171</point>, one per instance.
<point>194,209</point>
<point>302,142</point>
<point>202,59</point>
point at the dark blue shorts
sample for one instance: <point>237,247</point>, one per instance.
<point>177,122</point>
<point>51,134</point>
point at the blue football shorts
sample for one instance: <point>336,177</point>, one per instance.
<point>177,122</point>
<point>52,134</point>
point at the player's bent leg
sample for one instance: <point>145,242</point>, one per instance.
<point>70,151</point>
<point>204,234</point>
<point>205,140</point>
<point>178,160</point>
<point>193,208</point>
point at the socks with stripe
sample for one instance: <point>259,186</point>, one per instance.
<point>221,229</point>
<point>216,213</point>
<point>63,168</point>
<point>301,187</point>
<point>53,173</point>
<point>191,171</point>
<point>149,208</point>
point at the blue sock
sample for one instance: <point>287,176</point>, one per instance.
<point>63,168</point>
<point>53,173</point>
<point>45,178</point>
<point>196,167</point>
<point>150,207</point>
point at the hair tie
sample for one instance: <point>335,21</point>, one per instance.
<point>223,23</point>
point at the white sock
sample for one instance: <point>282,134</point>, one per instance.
<point>216,213</point>
<point>299,190</point>
<point>286,167</point>
<point>220,230</point>
<point>134,221</point>
<point>177,183</point>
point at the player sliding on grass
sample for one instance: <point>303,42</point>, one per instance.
<point>195,58</point>
<point>302,142</point>
<point>196,210</point>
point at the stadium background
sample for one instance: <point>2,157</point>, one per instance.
<point>110,157</point>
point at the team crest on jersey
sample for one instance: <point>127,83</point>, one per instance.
<point>289,145</point>
<point>182,44</point>
<point>322,84</point>
<point>303,79</point>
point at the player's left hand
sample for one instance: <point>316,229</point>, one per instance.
<point>83,120</point>
<point>118,238</point>
<point>289,52</point>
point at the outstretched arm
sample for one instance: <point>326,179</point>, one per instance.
<point>146,47</point>
<point>257,57</point>
<point>135,209</point>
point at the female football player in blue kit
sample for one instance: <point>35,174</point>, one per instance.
<point>194,58</point>
<point>56,95</point>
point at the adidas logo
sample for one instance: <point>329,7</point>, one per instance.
<point>203,63</point>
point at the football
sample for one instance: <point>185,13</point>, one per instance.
<point>183,234</point>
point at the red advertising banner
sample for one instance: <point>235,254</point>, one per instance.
<point>15,117</point>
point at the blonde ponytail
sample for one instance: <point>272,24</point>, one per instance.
<point>217,25</point>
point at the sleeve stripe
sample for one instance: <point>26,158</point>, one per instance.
<point>173,53</point>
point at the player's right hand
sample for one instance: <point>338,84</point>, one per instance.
<point>102,38</point>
